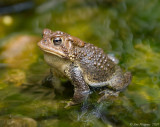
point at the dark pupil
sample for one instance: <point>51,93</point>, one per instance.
<point>57,41</point>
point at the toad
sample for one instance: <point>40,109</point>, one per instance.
<point>84,64</point>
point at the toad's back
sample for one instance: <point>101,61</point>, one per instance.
<point>95,64</point>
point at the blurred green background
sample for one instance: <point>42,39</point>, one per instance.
<point>129,29</point>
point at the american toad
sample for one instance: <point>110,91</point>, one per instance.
<point>84,64</point>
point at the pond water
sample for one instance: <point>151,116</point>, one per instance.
<point>128,29</point>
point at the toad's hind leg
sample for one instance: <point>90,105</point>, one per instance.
<point>119,81</point>
<point>117,84</point>
<point>81,89</point>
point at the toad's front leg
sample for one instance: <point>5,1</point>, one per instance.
<point>81,89</point>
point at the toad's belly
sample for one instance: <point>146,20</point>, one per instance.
<point>97,84</point>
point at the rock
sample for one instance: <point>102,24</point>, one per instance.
<point>17,121</point>
<point>20,51</point>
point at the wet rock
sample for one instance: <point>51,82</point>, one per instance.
<point>15,76</point>
<point>20,51</point>
<point>14,121</point>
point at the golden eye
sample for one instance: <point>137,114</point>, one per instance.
<point>57,41</point>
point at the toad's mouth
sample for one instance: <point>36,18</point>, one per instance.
<point>50,50</point>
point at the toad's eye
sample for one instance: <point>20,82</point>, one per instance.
<point>57,41</point>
